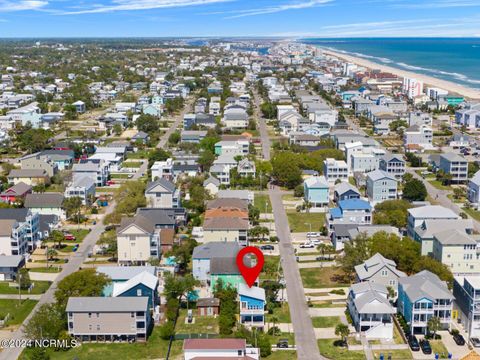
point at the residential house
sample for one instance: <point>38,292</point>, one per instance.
<point>418,137</point>
<point>466,290</point>
<point>345,191</point>
<point>473,191</point>
<point>419,118</point>
<point>235,117</point>
<point>246,168</point>
<point>226,229</point>
<point>10,265</point>
<point>138,240</point>
<point>393,164</point>
<point>82,187</point>
<point>379,270</point>
<point>79,106</point>
<point>111,319</point>
<point>316,192</point>
<point>62,158</point>
<point>212,184</point>
<point>353,211</point>
<point>13,239</point>
<point>425,232</point>
<point>162,169</point>
<point>208,307</point>
<point>204,254</point>
<point>252,306</point>
<point>416,216</point>
<point>121,274</point>
<point>235,349</point>
<point>141,137</point>
<point>95,170</point>
<point>225,271</point>
<point>46,204</point>
<point>455,165</point>
<point>381,186</point>
<point>16,193</point>
<point>28,227</point>
<point>37,162</point>
<point>421,297</point>
<point>29,177</point>
<point>162,193</point>
<point>235,148</point>
<point>222,173</point>
<point>143,284</point>
<point>244,195</point>
<point>370,310</point>
<point>345,231</point>
<point>192,136</point>
<point>457,250</point>
<point>334,170</point>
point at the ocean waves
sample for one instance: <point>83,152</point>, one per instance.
<point>444,75</point>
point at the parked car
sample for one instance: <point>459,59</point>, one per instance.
<point>282,344</point>
<point>315,242</point>
<point>110,182</point>
<point>69,237</point>
<point>475,341</point>
<point>313,234</point>
<point>425,345</point>
<point>413,343</point>
<point>307,246</point>
<point>267,247</point>
<point>459,340</point>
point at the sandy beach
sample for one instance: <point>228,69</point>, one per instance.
<point>427,80</point>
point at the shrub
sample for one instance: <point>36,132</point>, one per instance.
<point>167,330</point>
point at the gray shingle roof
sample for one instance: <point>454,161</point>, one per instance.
<point>107,304</point>
<point>27,173</point>
<point>44,200</point>
<point>18,214</point>
<point>454,237</point>
<point>140,221</point>
<point>168,185</point>
<point>371,301</point>
<point>216,250</point>
<point>373,265</point>
<point>11,260</point>
<point>425,285</point>
<point>123,273</point>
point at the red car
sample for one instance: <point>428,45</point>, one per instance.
<point>110,182</point>
<point>69,237</point>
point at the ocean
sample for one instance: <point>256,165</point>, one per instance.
<point>453,59</point>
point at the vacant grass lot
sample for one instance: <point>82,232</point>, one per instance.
<point>18,311</point>
<point>323,277</point>
<point>202,325</point>
<point>262,202</point>
<point>39,288</point>
<point>329,349</point>
<point>282,314</point>
<point>325,321</point>
<point>299,222</point>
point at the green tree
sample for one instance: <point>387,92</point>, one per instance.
<point>47,322</point>
<point>24,279</point>
<point>85,282</point>
<point>147,123</point>
<point>73,207</point>
<point>157,155</point>
<point>434,324</point>
<point>343,331</point>
<point>206,160</point>
<point>286,170</point>
<point>414,190</point>
<point>57,238</point>
<point>176,287</point>
<point>174,138</point>
<point>117,129</point>
<point>355,253</point>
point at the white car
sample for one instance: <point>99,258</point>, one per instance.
<point>307,246</point>
<point>315,242</point>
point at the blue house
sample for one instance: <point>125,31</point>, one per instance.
<point>345,191</point>
<point>143,284</point>
<point>252,305</point>
<point>423,296</point>
<point>353,211</point>
<point>316,191</point>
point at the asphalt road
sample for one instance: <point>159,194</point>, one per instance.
<point>305,340</point>
<point>178,120</point>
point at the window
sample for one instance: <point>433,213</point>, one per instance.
<point>98,327</point>
<point>89,315</point>
<point>139,292</point>
<point>384,272</point>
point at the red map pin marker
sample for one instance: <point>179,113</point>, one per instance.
<point>250,274</point>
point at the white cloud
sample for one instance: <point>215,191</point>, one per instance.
<point>439,4</point>
<point>126,5</point>
<point>6,6</point>
<point>278,8</point>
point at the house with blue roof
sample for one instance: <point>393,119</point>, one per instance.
<point>352,211</point>
<point>316,192</point>
<point>252,305</point>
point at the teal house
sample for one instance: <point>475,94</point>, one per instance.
<point>315,191</point>
<point>225,270</point>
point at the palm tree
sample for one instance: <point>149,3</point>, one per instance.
<point>343,331</point>
<point>274,321</point>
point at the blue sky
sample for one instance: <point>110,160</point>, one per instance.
<point>284,18</point>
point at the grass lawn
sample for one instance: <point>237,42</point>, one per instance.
<point>260,201</point>
<point>17,313</point>
<point>323,277</point>
<point>132,164</point>
<point>270,268</point>
<point>325,321</point>
<point>439,185</point>
<point>79,234</point>
<point>439,348</point>
<point>328,349</point>
<point>473,213</point>
<point>282,355</point>
<point>202,325</point>
<point>119,176</point>
<point>299,222</point>
<point>141,154</point>
<point>154,348</point>
<point>326,304</point>
<point>395,354</point>
<point>39,288</point>
<point>290,197</point>
<point>51,269</point>
<point>282,313</point>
